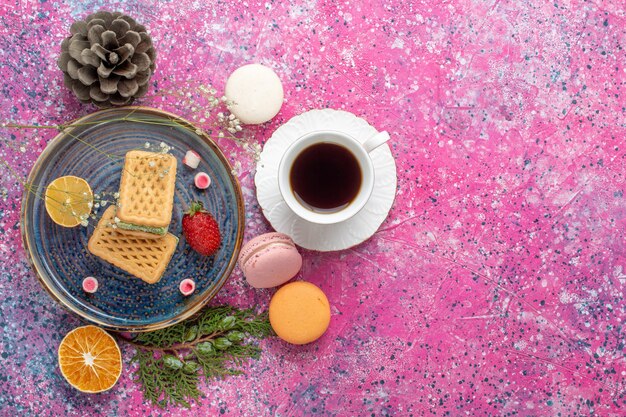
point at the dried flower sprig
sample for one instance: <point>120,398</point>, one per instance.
<point>202,100</point>
<point>217,126</point>
<point>204,103</point>
<point>100,200</point>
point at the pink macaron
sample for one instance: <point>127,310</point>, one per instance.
<point>269,260</point>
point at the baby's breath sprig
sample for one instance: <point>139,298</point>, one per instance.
<point>100,200</point>
<point>203,102</point>
<point>232,124</point>
<point>162,147</point>
<point>211,115</point>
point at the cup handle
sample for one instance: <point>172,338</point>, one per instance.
<point>375,141</point>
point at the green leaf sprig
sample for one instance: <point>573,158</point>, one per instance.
<point>214,344</point>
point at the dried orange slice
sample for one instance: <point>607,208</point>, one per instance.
<point>69,200</point>
<point>90,359</point>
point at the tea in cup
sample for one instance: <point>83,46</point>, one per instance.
<point>327,176</point>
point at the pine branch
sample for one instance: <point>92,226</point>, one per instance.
<point>213,345</point>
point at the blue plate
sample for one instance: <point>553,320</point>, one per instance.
<point>94,148</point>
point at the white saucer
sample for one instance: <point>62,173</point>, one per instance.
<point>316,236</point>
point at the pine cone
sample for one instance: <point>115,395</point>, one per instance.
<point>108,60</point>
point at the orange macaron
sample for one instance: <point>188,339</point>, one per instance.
<point>299,312</point>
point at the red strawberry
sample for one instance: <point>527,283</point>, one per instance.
<point>201,230</point>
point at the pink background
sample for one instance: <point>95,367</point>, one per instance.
<point>496,285</point>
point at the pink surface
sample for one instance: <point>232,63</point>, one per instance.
<point>496,285</point>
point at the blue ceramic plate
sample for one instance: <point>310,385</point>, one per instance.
<point>94,149</point>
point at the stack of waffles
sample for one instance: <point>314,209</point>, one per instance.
<point>133,235</point>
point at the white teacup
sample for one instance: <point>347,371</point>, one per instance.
<point>360,152</point>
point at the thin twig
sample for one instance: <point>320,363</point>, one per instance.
<point>178,346</point>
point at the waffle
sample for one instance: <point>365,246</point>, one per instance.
<point>147,189</point>
<point>143,258</point>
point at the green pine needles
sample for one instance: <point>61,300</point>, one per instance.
<point>214,344</point>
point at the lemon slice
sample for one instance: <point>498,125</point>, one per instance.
<point>68,200</point>
<point>90,359</point>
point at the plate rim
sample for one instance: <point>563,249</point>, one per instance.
<point>191,309</point>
